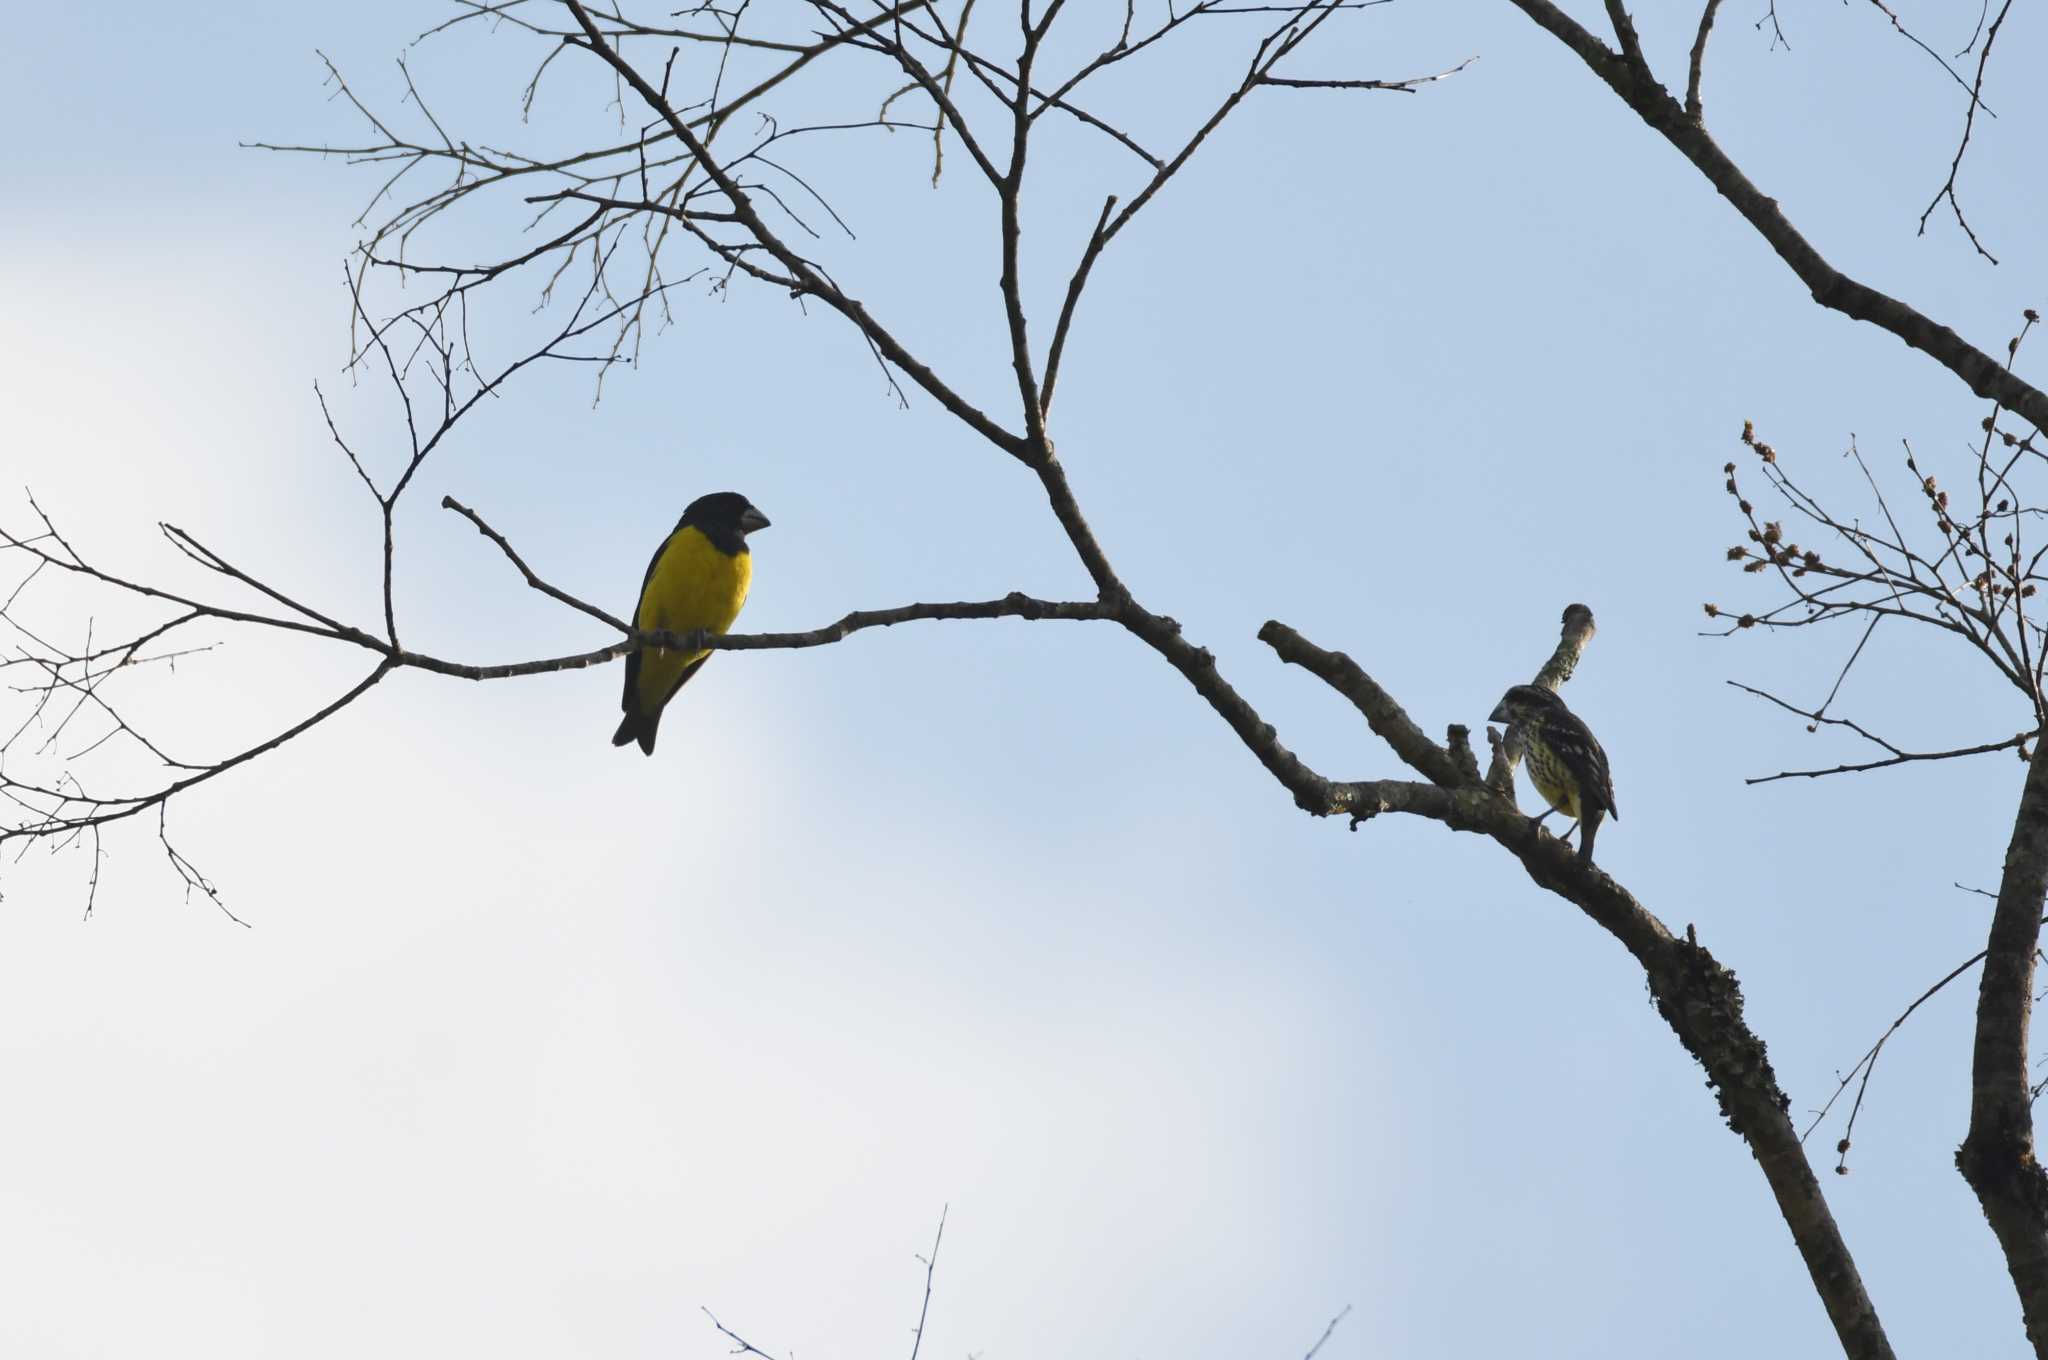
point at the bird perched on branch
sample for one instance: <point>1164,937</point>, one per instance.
<point>1565,761</point>
<point>697,580</point>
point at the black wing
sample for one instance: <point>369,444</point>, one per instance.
<point>1574,743</point>
<point>1603,780</point>
<point>633,657</point>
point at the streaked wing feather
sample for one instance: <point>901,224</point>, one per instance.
<point>1576,745</point>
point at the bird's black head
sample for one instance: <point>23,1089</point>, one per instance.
<point>1521,701</point>
<point>726,518</point>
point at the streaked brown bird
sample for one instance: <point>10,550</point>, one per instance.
<point>1564,759</point>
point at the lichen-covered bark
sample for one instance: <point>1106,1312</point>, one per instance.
<point>1702,1002</point>
<point>1572,638</point>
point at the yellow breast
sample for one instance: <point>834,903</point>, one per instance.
<point>1552,780</point>
<point>694,585</point>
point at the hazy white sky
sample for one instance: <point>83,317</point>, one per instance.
<point>536,1048</point>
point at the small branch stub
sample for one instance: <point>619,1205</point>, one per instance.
<point>1576,632</point>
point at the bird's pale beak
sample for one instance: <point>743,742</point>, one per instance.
<point>752,519</point>
<point>1500,713</point>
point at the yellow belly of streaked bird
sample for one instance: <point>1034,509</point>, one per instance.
<point>1552,780</point>
<point>694,586</point>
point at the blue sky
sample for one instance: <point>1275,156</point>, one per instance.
<point>537,1047</point>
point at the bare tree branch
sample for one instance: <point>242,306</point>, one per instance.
<point>1818,717</point>
<point>1698,61</point>
<point>1386,718</point>
<point>1409,85</point>
<point>1955,166</point>
<point>1328,1332</point>
<point>809,279</point>
<point>450,503</point>
<point>930,1264</point>
<point>1866,1066</point>
<point>1831,288</point>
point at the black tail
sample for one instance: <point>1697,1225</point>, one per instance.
<point>1587,827</point>
<point>636,727</point>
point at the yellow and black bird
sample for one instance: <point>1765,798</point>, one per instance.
<point>1565,761</point>
<point>698,579</point>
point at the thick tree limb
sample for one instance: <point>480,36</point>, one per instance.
<point>1997,1157</point>
<point>1702,1002</point>
<point>1387,719</point>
